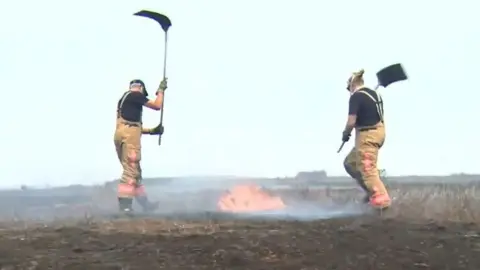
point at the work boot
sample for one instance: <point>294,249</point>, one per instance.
<point>125,206</point>
<point>146,205</point>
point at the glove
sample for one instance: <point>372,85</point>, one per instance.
<point>346,136</point>
<point>163,86</point>
<point>158,130</point>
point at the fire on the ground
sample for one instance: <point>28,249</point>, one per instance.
<point>249,198</point>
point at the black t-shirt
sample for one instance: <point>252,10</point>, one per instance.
<point>132,106</point>
<point>365,107</point>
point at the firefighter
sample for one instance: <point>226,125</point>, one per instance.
<point>127,141</point>
<point>365,115</point>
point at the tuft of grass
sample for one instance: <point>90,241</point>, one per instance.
<point>411,201</point>
<point>440,202</point>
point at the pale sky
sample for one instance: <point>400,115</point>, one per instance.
<point>256,88</point>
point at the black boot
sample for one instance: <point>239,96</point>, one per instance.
<point>125,205</point>
<point>146,205</point>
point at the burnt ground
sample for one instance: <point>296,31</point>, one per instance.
<point>428,228</point>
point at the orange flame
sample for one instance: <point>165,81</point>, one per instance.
<point>248,198</point>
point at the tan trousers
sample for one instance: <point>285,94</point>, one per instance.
<point>361,162</point>
<point>127,141</point>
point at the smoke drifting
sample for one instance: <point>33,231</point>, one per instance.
<point>196,197</point>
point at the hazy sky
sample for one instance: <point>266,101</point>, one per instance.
<point>255,87</point>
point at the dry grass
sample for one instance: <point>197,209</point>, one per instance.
<point>414,202</point>
<point>456,203</point>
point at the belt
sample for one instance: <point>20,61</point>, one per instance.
<point>130,124</point>
<point>366,128</point>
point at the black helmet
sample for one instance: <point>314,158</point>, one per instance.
<point>141,83</point>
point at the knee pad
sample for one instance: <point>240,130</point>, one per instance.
<point>133,156</point>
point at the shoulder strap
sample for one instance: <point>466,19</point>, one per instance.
<point>122,100</point>
<point>378,102</point>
